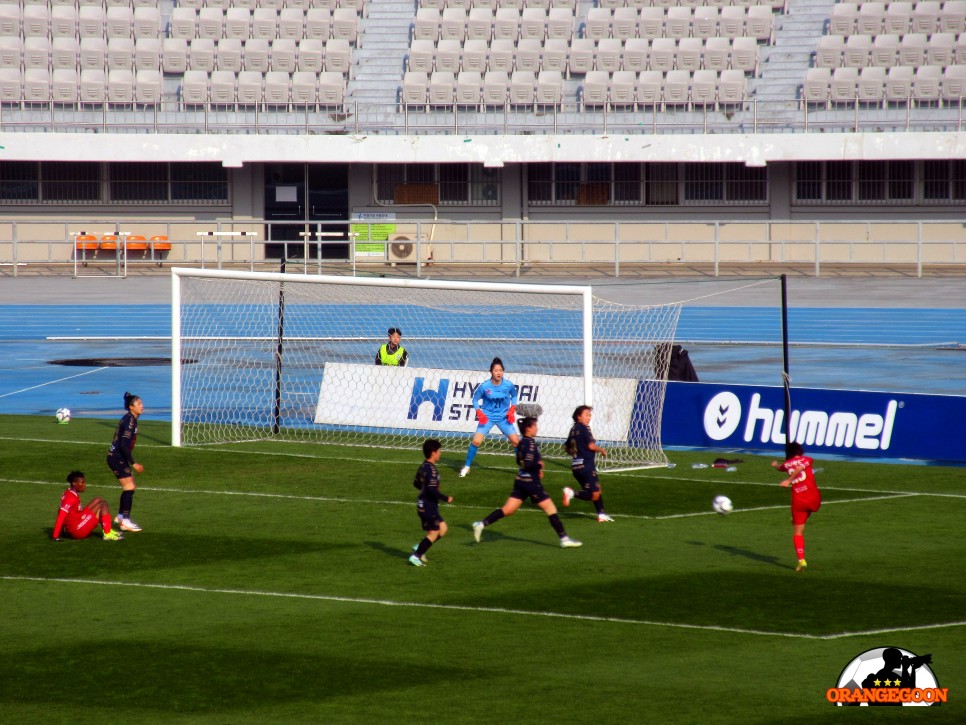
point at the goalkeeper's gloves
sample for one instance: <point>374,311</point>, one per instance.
<point>481,417</point>
<point>511,414</point>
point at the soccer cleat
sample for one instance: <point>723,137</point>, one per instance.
<point>801,565</point>
<point>423,557</point>
<point>128,525</point>
<point>568,494</point>
<point>603,518</point>
<point>464,471</point>
<point>478,530</point>
<point>567,543</point>
<point>416,561</point>
<point>113,535</point>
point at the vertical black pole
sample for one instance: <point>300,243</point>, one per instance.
<point>786,378</point>
<point>276,413</point>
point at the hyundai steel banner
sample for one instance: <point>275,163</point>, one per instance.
<point>843,422</point>
<point>384,397</point>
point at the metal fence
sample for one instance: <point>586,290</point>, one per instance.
<point>753,116</point>
<point>610,247</point>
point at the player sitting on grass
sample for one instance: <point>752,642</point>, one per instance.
<point>583,449</point>
<point>527,485</point>
<point>77,520</point>
<point>806,498</point>
<point>427,505</point>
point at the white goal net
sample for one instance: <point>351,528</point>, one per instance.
<point>262,356</point>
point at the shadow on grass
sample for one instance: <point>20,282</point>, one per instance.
<point>752,555</point>
<point>163,677</point>
<point>146,551</point>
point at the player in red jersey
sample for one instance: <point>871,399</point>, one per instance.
<point>806,498</point>
<point>77,520</point>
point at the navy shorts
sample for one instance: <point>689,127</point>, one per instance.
<point>119,467</point>
<point>527,488</point>
<point>430,522</point>
<point>587,479</point>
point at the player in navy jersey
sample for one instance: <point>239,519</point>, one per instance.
<point>120,459</point>
<point>79,521</point>
<point>427,505</point>
<point>806,498</point>
<point>495,402</point>
<point>583,449</point>
<point>527,485</point>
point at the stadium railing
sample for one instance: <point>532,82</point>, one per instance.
<point>39,245</point>
<point>752,116</point>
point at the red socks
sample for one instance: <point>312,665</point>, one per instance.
<point>799,543</point>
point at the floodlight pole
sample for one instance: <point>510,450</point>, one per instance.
<point>786,378</point>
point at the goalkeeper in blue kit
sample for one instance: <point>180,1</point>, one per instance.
<point>495,402</point>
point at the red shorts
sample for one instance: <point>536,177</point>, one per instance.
<point>801,510</point>
<point>82,526</point>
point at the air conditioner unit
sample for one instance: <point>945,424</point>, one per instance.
<point>402,250</point>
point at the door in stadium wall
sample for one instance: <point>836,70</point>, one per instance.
<point>308,207</point>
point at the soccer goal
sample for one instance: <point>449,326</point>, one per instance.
<point>266,356</point>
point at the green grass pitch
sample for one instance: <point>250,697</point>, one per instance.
<point>271,584</point>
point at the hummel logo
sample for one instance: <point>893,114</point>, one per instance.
<point>722,416</point>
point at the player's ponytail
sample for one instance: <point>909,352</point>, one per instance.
<point>129,399</point>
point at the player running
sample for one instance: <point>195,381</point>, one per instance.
<point>527,485</point>
<point>582,447</point>
<point>806,498</point>
<point>427,505</point>
<point>495,402</point>
<point>77,520</point>
<point>120,459</point>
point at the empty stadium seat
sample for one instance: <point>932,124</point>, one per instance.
<point>925,17</point>
<point>201,54</point>
<point>221,87</point>
<point>120,86</point>
<point>469,88</point>
<point>732,86</point>
<point>952,18</point>
<point>871,85</point>
<point>608,55</point>
<point>842,88</point>
<point>441,89</point>
<point>494,90</point>
<point>310,55</point>
<point>649,85</point>
<point>898,85</point>
<point>248,87</point>
<point>954,83</point>
<point>926,85</point>
<point>148,86</point>
<point>283,55</point>
<point>93,86</point>
<point>331,90</point>
<point>595,89</point>
<point>941,49</point>
<point>816,86</point>
<point>64,86</point>
<point>843,19</point>
<point>885,51</point>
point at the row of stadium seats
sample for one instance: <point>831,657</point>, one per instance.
<point>680,22</point>
<point>145,87</point>
<point>898,18</point>
<point>526,88</point>
<point>912,49</point>
<point>125,22</point>
<point>494,4</point>
<point>584,55</point>
<point>176,55</point>
<point>88,245</point>
<point>777,5</point>
<point>877,85</point>
<point>650,88</point>
<point>359,6</point>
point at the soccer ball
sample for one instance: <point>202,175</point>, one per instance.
<point>62,415</point>
<point>722,505</point>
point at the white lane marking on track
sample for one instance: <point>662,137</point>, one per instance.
<point>52,382</point>
<point>481,610</point>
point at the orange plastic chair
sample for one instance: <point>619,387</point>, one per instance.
<point>159,244</point>
<point>85,243</point>
<point>108,243</point>
<point>136,243</point>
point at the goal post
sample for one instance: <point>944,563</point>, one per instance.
<point>275,356</point>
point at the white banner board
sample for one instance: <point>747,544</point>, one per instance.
<point>375,396</point>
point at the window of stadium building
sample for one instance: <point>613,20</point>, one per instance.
<point>120,183</point>
<point>438,184</point>
<point>879,182</point>
<point>649,184</point>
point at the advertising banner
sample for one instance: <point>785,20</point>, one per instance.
<point>843,422</point>
<point>382,397</point>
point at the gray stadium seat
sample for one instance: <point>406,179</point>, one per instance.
<point>265,23</point>
<point>521,89</point>
<point>649,88</point>
<point>704,24</point>
<point>479,24</point>
<point>759,22</point>
<point>10,21</point>
<point>452,25</point>
<point>120,24</point>
<point>35,21</point>
<point>494,90</point>
<point>926,85</point>
<point>291,23</point>
<point>533,23</point>
<point>636,51</point>
<point>148,85</point>
<point>93,53</point>
<point>731,22</point>
<point>528,54</point>
<point>93,86</point>
<point>843,20</point>
<point>63,21</point>
<point>560,23</point>
<point>183,23</point>
<point>277,88</point>
<point>898,85</point>
<point>608,55</point>
<point>311,55</point>
<point>595,89</point>
<point>952,18</point>
<point>842,88</point>
<point>954,83</point>
<point>147,54</point>
<point>857,51</point>
<point>581,60</point>
<point>717,54</point>
<point>221,87</point>
<point>201,54</point>
<point>597,25</point>
<point>174,55</point>
<point>663,55</point>
<point>925,17</point>
<point>305,89</point>
<point>64,86</point>
<point>624,23</point>
<point>941,49</point>
<point>871,85</point>
<point>257,53</point>
<point>91,21</point>
<point>704,88</point>
<point>442,88</point>
<point>228,55</point>
<point>332,90</point>
<point>744,55</point>
<point>421,56</point>
<point>556,51</point>
<point>469,88</point>
<point>63,53</point>
<point>283,55</point>
<point>194,88</point>
<point>238,24</point>
<point>912,50</point>
<point>415,87</point>
<point>475,54</point>
<point>426,25</point>
<point>732,86</point>
<point>345,25</point>
<point>871,18</point>
<point>651,23</point>
<point>502,54</point>
<point>120,54</point>
<point>677,88</point>
<point>623,89</point>
<point>147,22</point>
<point>829,51</point>
<point>898,18</point>
<point>447,57</point>
<point>338,56</point>
<point>677,22</point>
<point>120,87</point>
<point>506,24</point>
<point>690,54</point>
<point>816,86</point>
<point>248,88</point>
<point>885,51</point>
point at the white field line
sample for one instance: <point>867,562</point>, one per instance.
<point>383,502</point>
<point>501,611</point>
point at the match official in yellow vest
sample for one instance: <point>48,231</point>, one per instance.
<point>392,353</point>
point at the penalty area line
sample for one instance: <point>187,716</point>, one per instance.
<point>415,605</point>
